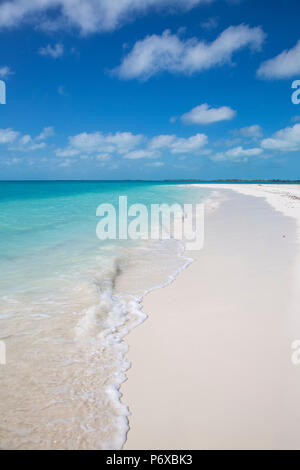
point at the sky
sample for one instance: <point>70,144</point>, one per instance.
<point>150,89</point>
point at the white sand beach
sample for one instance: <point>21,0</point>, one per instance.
<point>211,366</point>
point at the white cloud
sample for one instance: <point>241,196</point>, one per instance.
<point>27,143</point>
<point>254,131</point>
<point>137,154</point>
<point>162,141</point>
<point>237,154</point>
<point>241,152</point>
<point>97,142</point>
<point>46,133</point>
<point>179,144</point>
<point>89,16</point>
<point>22,143</point>
<point>8,136</point>
<point>285,140</point>
<point>285,65</point>
<point>5,71</point>
<point>67,152</point>
<point>130,146</point>
<point>204,114</point>
<point>169,52</point>
<point>52,51</point>
<point>34,146</point>
<point>189,145</point>
<point>211,23</point>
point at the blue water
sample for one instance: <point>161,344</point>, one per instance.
<point>67,300</point>
<point>39,220</point>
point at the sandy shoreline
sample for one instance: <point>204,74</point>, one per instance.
<point>211,366</point>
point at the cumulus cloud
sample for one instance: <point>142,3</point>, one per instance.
<point>162,141</point>
<point>5,71</point>
<point>285,140</point>
<point>237,154</point>
<point>177,145</point>
<point>254,131</point>
<point>137,154</point>
<point>191,144</point>
<point>169,52</point>
<point>130,146</point>
<point>211,23</point>
<point>97,142</point>
<point>285,65</point>
<point>46,133</point>
<point>204,114</point>
<point>26,143</point>
<point>18,142</point>
<point>67,152</point>
<point>7,136</point>
<point>52,51</point>
<point>88,16</point>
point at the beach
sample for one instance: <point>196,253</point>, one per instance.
<point>142,343</point>
<point>149,227</point>
<point>211,366</point>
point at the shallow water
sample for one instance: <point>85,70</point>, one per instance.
<point>67,300</point>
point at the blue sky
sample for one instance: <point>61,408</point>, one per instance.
<point>149,89</point>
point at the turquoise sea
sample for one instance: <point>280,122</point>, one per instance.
<point>67,301</point>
